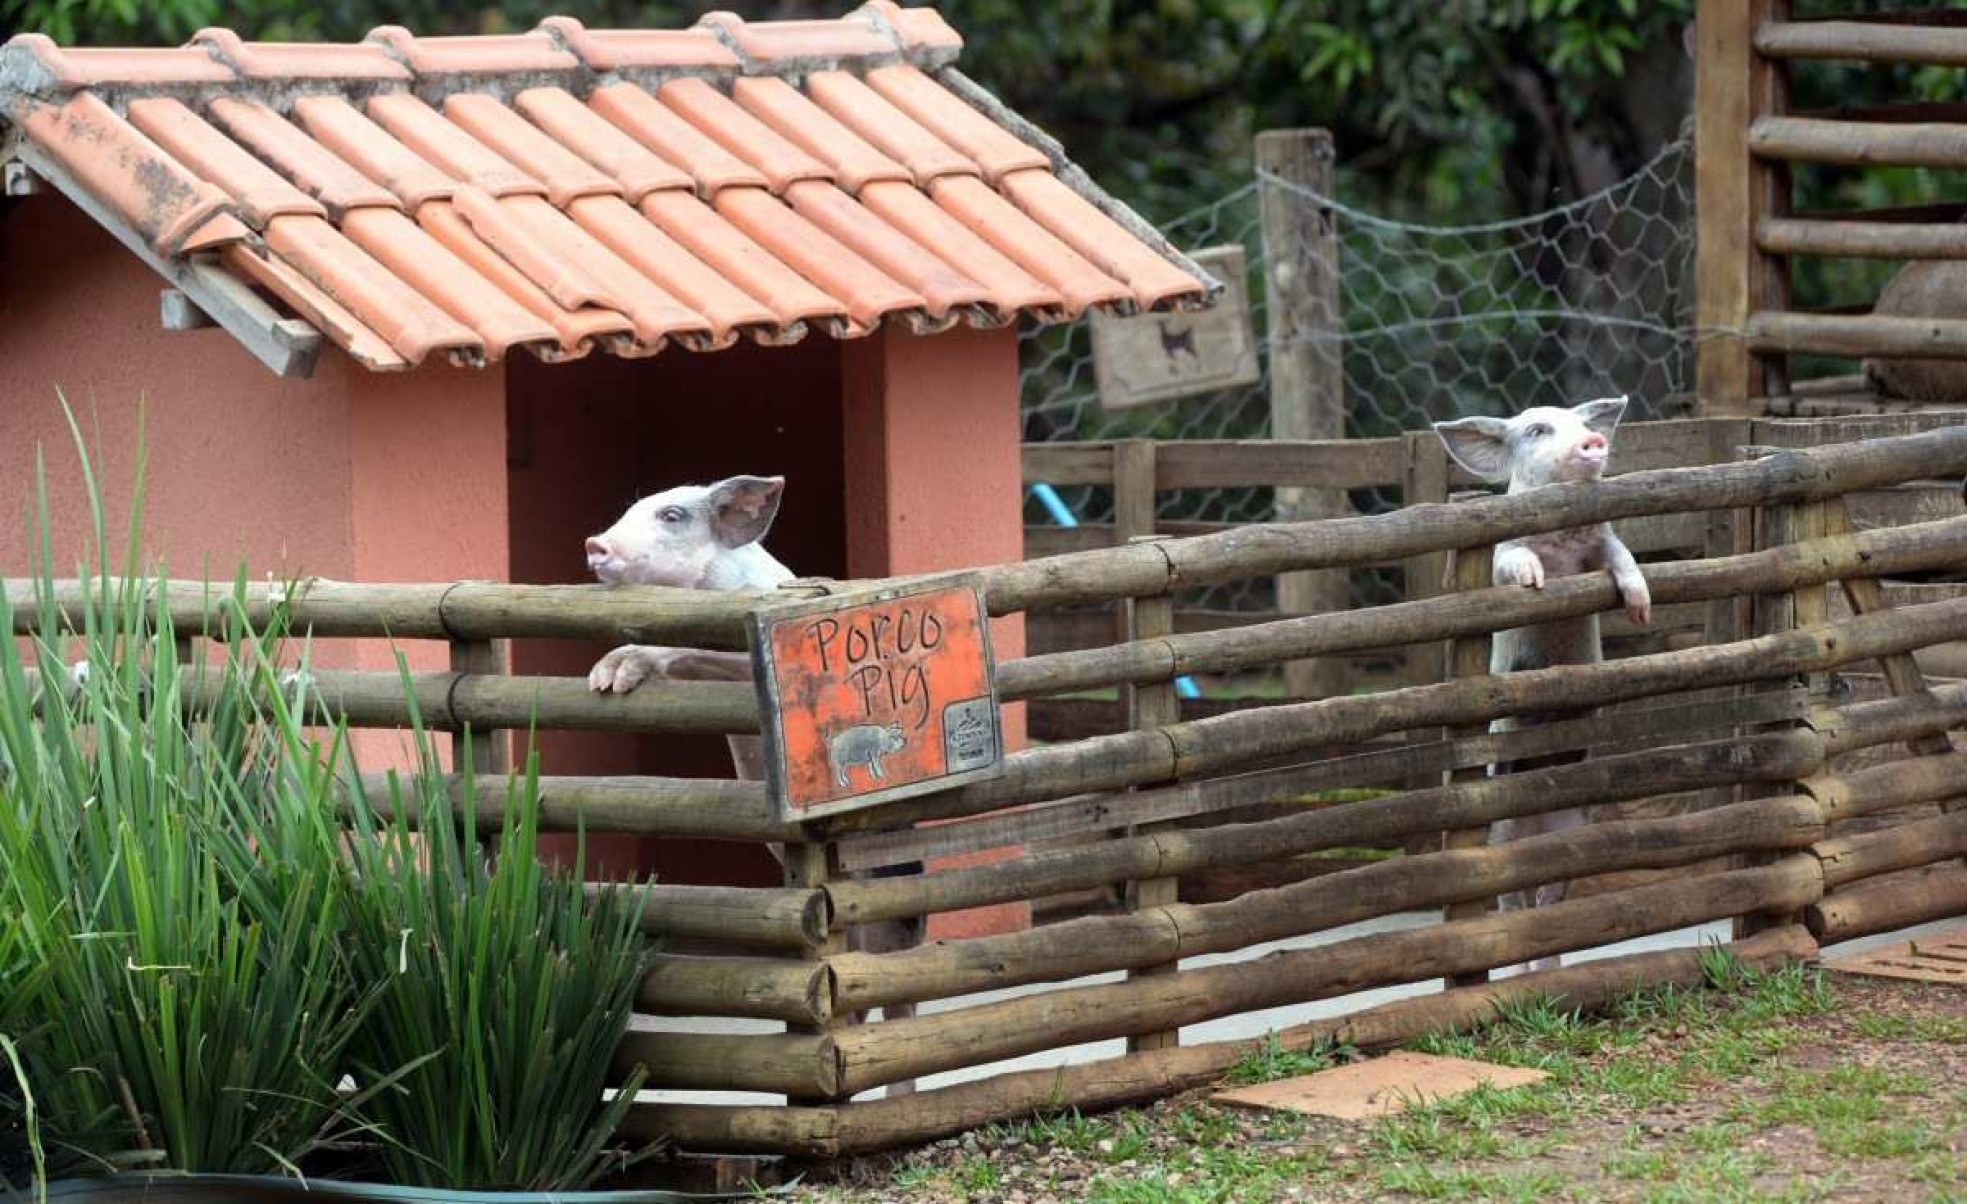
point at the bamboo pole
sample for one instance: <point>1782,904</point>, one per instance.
<point>801,1065</point>
<point>710,808</point>
<point>1099,944</point>
<point>1202,746</point>
<point>771,917</point>
<point>1893,784</point>
<point>864,1127</point>
<point>1888,903</point>
<point>1863,41</point>
<point>875,1054</point>
<point>799,992</point>
<point>1268,549</point>
<point>1777,757</point>
<point>1904,846</point>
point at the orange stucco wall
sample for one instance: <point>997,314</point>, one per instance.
<point>933,483</point>
<point>333,476</point>
<point>242,465</point>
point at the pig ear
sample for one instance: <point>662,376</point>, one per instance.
<point>1480,445</point>
<point>742,508</point>
<point>1602,415</point>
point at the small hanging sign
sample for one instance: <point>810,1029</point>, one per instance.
<point>1155,357</point>
<point>876,695</point>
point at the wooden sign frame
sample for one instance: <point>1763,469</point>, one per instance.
<point>892,690</point>
<point>1154,357</point>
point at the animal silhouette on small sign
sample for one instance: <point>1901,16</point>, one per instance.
<point>1176,341</point>
<point>864,745</point>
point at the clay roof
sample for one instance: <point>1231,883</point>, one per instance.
<point>570,188</point>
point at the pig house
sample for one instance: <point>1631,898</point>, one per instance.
<point>438,309</point>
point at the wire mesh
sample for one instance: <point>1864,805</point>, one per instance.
<point>1592,298</point>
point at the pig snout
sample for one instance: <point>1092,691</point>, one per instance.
<point>1590,450</point>
<point>602,559</point>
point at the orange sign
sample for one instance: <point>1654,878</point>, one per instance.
<point>876,696</point>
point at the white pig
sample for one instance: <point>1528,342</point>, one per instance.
<point>1548,445</point>
<point>707,537</point>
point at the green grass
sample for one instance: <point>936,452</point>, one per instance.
<point>1271,1061</point>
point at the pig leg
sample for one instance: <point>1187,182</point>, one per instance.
<point>632,664</point>
<point>1626,575</point>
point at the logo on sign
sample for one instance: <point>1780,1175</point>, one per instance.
<point>876,696</point>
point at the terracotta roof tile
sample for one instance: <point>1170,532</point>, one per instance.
<point>579,329</point>
<point>665,132</point>
<point>562,116</point>
<point>490,55</point>
<point>260,192</point>
<point>737,131</point>
<point>787,111</point>
<point>680,50</point>
<point>116,164</point>
<point>377,297</point>
<point>371,150</point>
<point>872,116</point>
<point>448,147</point>
<point>566,175</point>
<point>70,67</point>
<point>1096,236</point>
<point>795,44</point>
<point>312,167</point>
<point>922,32</point>
<point>289,62</point>
<point>569,189</point>
<point>987,144</point>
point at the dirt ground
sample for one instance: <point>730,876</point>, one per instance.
<point>1795,1085</point>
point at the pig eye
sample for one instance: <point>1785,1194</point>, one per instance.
<point>1538,430</point>
<point>671,515</point>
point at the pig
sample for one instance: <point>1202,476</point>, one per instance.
<point>709,537</point>
<point>1547,445</point>
<point>863,744</point>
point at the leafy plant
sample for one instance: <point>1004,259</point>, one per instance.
<point>505,992</point>
<point>170,858</point>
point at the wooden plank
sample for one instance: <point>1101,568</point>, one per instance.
<point>1306,463</point>
<point>1068,463</point>
<point>1819,432</point>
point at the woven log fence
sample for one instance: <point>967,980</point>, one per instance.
<point>1738,781</point>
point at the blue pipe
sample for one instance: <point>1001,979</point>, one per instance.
<point>1055,506</point>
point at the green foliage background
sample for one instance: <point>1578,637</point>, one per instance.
<point>1443,109</point>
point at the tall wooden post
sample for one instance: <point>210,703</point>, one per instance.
<point>1733,191</point>
<point>1468,657</point>
<point>1307,373</point>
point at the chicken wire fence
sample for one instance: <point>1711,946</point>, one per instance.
<point>1589,299</point>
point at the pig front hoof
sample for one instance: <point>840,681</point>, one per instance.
<point>619,672</point>
<point>1520,568</point>
<point>1640,611</point>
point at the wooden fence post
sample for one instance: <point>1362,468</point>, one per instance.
<point>1307,373</point>
<point>1468,658</point>
<point>1424,478</point>
<point>1149,707</point>
<point>490,751</point>
<point>1733,85</point>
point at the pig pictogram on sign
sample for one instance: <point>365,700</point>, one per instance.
<point>876,695</point>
